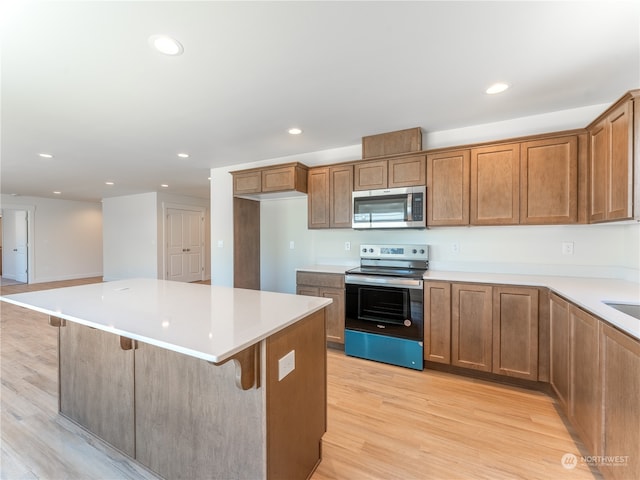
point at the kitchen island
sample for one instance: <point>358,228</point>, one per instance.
<point>193,381</point>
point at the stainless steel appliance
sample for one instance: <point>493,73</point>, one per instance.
<point>384,318</point>
<point>390,208</point>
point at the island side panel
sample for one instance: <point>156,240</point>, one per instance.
<point>192,420</point>
<point>297,403</point>
<point>96,384</point>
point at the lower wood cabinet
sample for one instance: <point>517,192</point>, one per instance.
<point>559,349</point>
<point>594,374</point>
<point>515,332</point>
<point>437,322</point>
<point>328,285</point>
<point>620,387</point>
<point>585,392</point>
<point>491,328</point>
<point>471,326</point>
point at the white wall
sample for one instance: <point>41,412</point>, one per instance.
<point>130,247</point>
<point>600,250</point>
<point>66,237</point>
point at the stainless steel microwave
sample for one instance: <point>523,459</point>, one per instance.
<point>390,208</point>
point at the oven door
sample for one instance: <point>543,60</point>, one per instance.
<point>395,311</point>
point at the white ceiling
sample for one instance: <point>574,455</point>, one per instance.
<point>80,81</point>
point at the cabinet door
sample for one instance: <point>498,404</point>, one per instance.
<point>437,322</point>
<point>471,326</point>
<point>495,185</point>
<point>407,171</point>
<point>318,198</point>
<point>619,187</point>
<point>549,181</point>
<point>584,396</point>
<point>96,384</point>
<point>515,332</point>
<point>334,314</point>
<point>328,285</point>
<point>559,340</point>
<point>448,188</point>
<point>370,175</point>
<point>277,179</point>
<point>249,182</point>
<point>340,202</point>
<point>598,172</point>
<point>611,166</point>
<point>620,364</point>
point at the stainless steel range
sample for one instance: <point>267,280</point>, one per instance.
<point>384,305</point>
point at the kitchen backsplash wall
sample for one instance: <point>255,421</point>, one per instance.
<point>598,250</point>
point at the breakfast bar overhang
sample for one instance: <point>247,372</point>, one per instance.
<point>193,381</point>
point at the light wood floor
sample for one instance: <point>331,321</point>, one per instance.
<point>384,422</point>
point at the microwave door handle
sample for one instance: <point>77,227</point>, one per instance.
<point>409,207</point>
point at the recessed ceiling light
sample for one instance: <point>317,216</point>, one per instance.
<point>164,185</point>
<point>497,88</point>
<point>109,183</point>
<point>165,44</point>
<point>183,155</point>
<point>45,155</point>
<point>57,192</point>
<point>295,131</point>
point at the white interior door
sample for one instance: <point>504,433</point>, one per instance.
<point>15,245</point>
<point>185,234</point>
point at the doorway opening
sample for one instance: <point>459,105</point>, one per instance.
<point>14,247</point>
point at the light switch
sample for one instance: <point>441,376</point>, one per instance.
<point>286,364</point>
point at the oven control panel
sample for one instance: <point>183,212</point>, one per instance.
<point>398,252</point>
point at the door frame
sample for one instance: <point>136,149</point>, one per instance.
<point>165,252</point>
<point>30,209</point>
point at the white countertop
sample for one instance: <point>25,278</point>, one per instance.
<point>341,269</point>
<point>203,321</point>
<point>587,293</point>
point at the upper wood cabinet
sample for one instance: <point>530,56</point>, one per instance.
<point>395,172</point>
<point>278,178</point>
<point>392,143</point>
<point>329,202</point>
<point>549,181</point>
<point>495,185</point>
<point>611,164</point>
<point>448,188</point>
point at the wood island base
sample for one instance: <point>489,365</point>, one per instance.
<point>186,418</point>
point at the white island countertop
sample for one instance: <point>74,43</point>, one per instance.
<point>208,322</point>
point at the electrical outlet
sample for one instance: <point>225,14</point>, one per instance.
<point>455,247</point>
<point>292,245</point>
<point>567,248</point>
<point>220,244</point>
<point>286,365</point>
<point>347,246</point>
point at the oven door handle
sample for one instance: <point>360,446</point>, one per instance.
<point>379,281</point>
